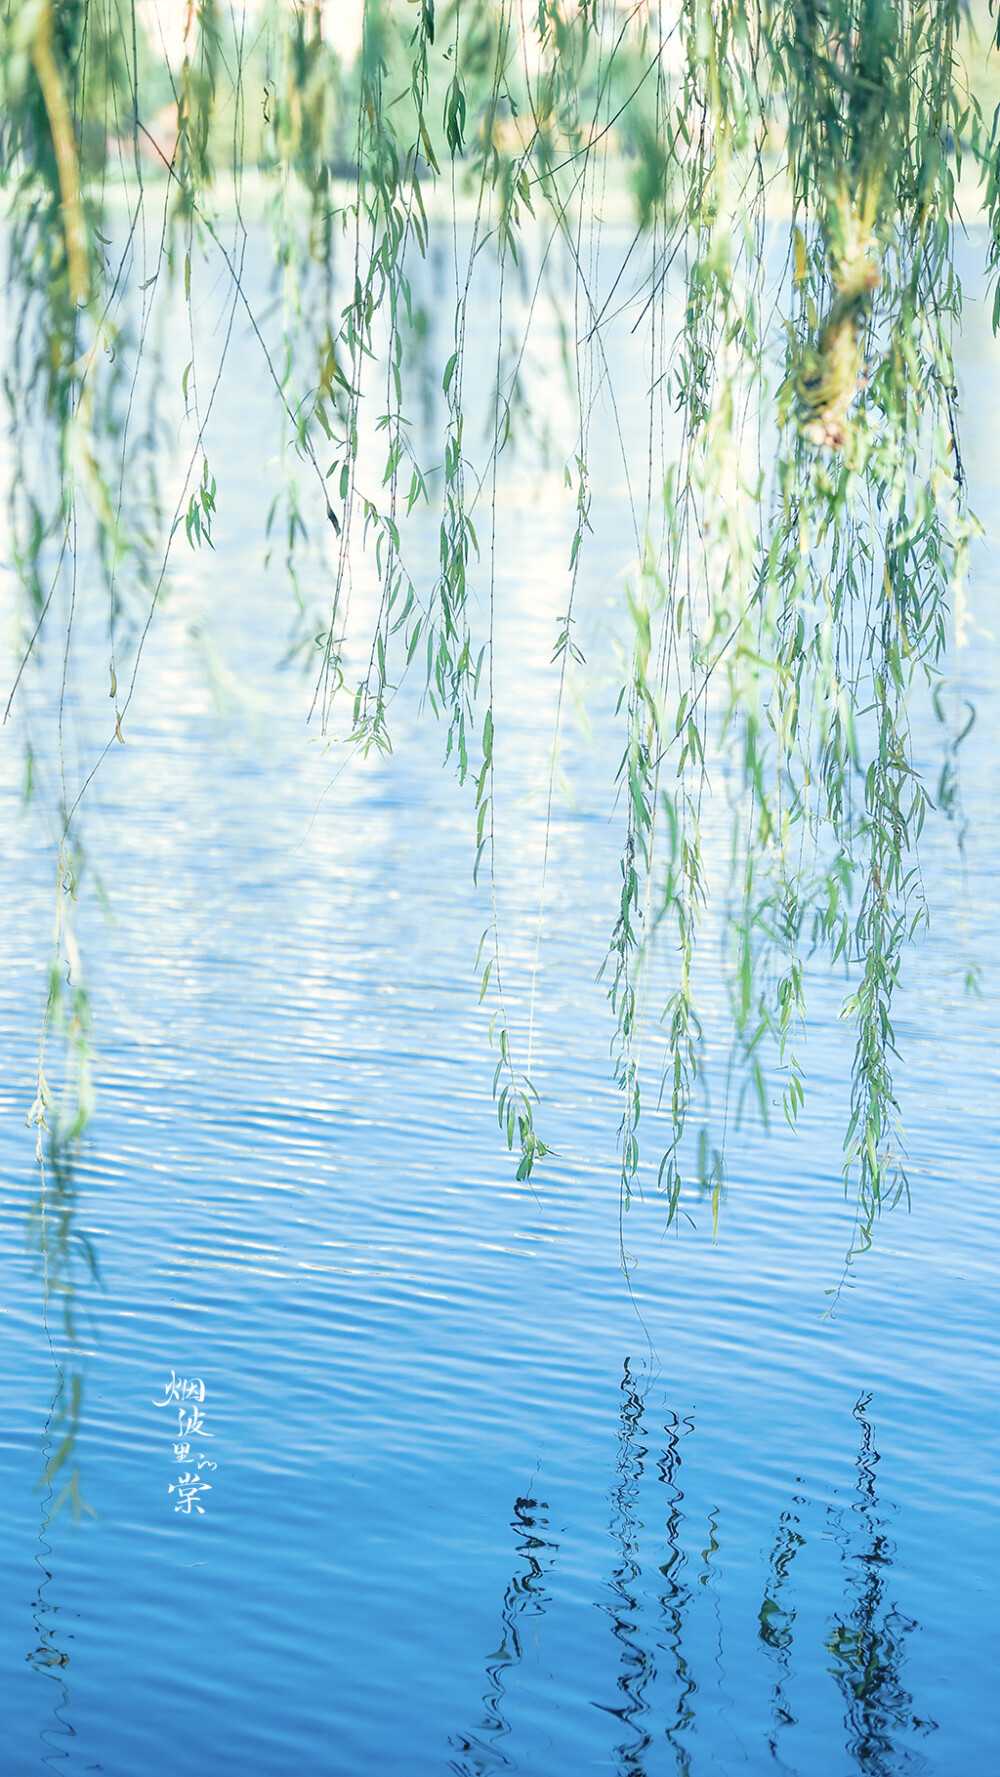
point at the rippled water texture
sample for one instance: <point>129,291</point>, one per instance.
<point>469,1513</point>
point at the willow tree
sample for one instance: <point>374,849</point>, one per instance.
<point>791,171</point>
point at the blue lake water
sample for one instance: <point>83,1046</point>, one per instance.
<point>476,1506</point>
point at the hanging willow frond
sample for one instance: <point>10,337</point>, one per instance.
<point>792,582</point>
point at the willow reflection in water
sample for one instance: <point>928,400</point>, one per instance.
<point>867,1641</point>
<point>66,1259</point>
<point>650,1602</point>
<point>49,1659</point>
<point>525,1602</point>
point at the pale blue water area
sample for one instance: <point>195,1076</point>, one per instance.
<point>468,1514</point>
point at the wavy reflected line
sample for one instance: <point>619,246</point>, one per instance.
<point>776,1623</point>
<point>59,1245</point>
<point>675,1596</point>
<point>656,1614</point>
<point>867,1640</point>
<point>636,1662</point>
<point>525,1600</point>
<point>47,1658</point>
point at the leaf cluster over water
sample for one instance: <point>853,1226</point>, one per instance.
<point>789,172</point>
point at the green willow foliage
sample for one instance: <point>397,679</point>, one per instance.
<point>803,537</point>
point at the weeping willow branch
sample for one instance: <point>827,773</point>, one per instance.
<point>790,170</point>
<point>39,34</point>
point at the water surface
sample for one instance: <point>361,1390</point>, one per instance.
<point>476,1506</point>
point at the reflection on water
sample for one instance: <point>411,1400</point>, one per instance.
<point>49,1658</point>
<point>777,1618</point>
<point>650,1592</point>
<point>623,1603</point>
<point>867,1638</point>
<point>676,1593</point>
<point>525,1602</point>
<point>64,1255</point>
